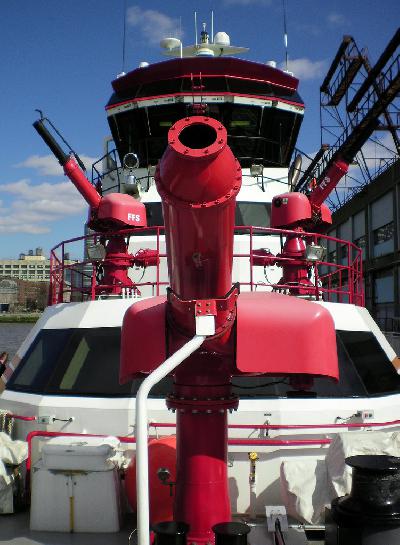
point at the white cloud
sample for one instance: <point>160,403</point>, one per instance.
<point>336,19</point>
<point>376,152</point>
<point>32,192</point>
<point>47,165</point>
<point>305,69</point>
<point>154,25</point>
<point>7,225</point>
<point>34,206</point>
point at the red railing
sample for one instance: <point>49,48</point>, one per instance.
<point>294,426</point>
<point>39,433</point>
<point>125,439</point>
<point>233,441</point>
<point>21,417</point>
<point>75,280</point>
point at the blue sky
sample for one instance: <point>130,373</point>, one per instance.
<point>61,57</point>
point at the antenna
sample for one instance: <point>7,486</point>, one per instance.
<point>180,37</point>
<point>212,26</point>
<point>285,36</point>
<point>124,38</point>
<point>195,26</point>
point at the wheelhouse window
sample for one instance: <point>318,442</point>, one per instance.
<point>159,88</point>
<point>144,131</point>
<point>371,363</point>
<point>77,362</point>
<point>72,362</point>
<point>210,84</point>
<point>246,213</point>
<point>252,213</point>
<point>85,362</point>
<point>265,135</point>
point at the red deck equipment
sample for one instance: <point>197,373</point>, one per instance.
<point>198,179</point>
<point>107,213</point>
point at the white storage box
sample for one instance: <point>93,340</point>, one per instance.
<point>78,502</point>
<point>75,487</point>
<point>90,453</point>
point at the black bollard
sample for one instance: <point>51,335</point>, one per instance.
<point>170,533</point>
<point>231,533</point>
<point>370,514</point>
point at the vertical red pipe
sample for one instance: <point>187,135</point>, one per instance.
<point>202,472</point>
<point>198,178</point>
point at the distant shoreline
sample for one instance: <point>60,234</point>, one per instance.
<point>23,318</point>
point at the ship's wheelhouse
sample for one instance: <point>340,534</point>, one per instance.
<point>259,106</point>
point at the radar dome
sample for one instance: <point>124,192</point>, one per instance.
<point>170,43</point>
<point>222,38</point>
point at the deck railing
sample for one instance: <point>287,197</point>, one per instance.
<point>78,280</point>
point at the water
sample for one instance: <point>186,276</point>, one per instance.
<point>12,335</point>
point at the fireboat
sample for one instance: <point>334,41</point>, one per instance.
<point>204,375</point>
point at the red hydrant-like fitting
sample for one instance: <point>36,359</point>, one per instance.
<point>295,273</point>
<point>115,265</point>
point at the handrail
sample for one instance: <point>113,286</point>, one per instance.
<point>41,433</point>
<point>278,442</point>
<point>341,282</point>
<point>20,417</point>
<point>294,426</point>
<point>125,439</point>
<point>37,433</point>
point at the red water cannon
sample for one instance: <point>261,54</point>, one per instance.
<point>198,179</point>
<point>301,212</point>
<point>292,210</point>
<point>306,212</point>
<point>107,214</point>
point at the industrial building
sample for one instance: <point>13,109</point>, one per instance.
<point>371,219</point>
<point>31,267</point>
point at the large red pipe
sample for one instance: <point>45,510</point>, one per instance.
<point>198,178</point>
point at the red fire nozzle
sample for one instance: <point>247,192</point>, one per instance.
<point>198,179</point>
<point>328,183</point>
<point>111,212</point>
<point>82,184</point>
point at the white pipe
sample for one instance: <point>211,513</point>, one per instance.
<point>253,499</point>
<point>142,455</point>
